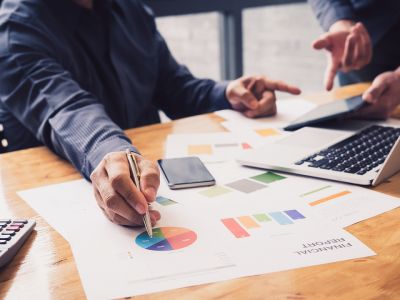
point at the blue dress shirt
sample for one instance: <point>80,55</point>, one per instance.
<point>73,78</point>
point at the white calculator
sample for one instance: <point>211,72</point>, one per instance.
<point>13,234</point>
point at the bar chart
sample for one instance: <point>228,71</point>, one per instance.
<point>244,185</point>
<point>240,226</point>
<point>324,194</point>
<point>210,149</point>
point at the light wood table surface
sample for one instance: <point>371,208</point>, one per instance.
<point>45,269</point>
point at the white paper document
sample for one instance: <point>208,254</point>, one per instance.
<point>287,111</point>
<point>206,237</point>
<point>340,204</point>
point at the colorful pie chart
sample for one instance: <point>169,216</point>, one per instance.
<point>166,239</point>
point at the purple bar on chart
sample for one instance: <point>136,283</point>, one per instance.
<point>280,218</point>
<point>294,214</point>
<point>235,228</point>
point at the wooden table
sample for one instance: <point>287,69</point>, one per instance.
<point>44,268</point>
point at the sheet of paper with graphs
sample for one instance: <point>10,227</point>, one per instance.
<point>251,222</point>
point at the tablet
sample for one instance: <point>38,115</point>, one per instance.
<point>326,112</point>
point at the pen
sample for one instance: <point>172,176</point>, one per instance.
<point>133,165</point>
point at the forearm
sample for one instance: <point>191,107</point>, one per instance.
<point>180,94</point>
<point>193,96</point>
<point>50,104</point>
<point>329,12</point>
<point>84,136</point>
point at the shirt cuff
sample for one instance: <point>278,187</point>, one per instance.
<point>218,96</point>
<point>94,157</point>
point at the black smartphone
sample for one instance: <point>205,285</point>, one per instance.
<point>185,172</point>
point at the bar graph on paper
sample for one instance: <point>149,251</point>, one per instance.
<point>325,195</point>
<point>210,149</point>
<point>244,185</point>
<point>241,227</point>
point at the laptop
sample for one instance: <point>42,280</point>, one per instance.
<point>365,157</point>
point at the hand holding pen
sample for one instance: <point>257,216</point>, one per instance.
<point>116,193</point>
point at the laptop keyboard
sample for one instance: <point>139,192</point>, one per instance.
<point>357,154</point>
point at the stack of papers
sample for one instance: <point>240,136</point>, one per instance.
<point>251,222</point>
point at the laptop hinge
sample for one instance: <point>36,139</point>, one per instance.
<point>391,164</point>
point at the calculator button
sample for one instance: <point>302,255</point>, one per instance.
<point>5,238</point>
<point>14,226</point>
<point>7,221</point>
<point>11,233</point>
<point>20,221</point>
<point>12,229</point>
<point>3,242</point>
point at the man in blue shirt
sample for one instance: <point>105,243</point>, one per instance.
<point>75,73</point>
<point>362,41</point>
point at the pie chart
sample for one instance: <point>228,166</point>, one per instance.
<point>166,239</point>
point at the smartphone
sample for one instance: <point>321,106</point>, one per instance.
<point>185,172</point>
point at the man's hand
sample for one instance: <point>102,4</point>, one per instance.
<point>117,195</point>
<point>349,46</point>
<point>255,95</point>
<point>383,96</point>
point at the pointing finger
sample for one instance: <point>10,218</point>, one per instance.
<point>322,43</point>
<point>330,72</point>
<point>276,85</point>
<point>349,52</point>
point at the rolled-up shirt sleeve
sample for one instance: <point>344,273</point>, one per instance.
<point>330,11</point>
<point>45,98</point>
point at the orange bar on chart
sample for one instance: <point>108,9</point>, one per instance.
<point>267,132</point>
<point>199,149</point>
<point>331,197</point>
<point>248,222</point>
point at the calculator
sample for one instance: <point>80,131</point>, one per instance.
<point>13,234</point>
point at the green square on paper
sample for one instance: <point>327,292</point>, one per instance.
<point>268,177</point>
<point>261,217</point>
<point>215,191</point>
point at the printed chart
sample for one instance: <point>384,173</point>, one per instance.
<point>343,204</point>
<point>212,147</point>
<point>239,226</point>
<point>325,194</point>
<point>166,239</point>
<point>267,132</point>
<point>198,248</point>
<point>245,185</point>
